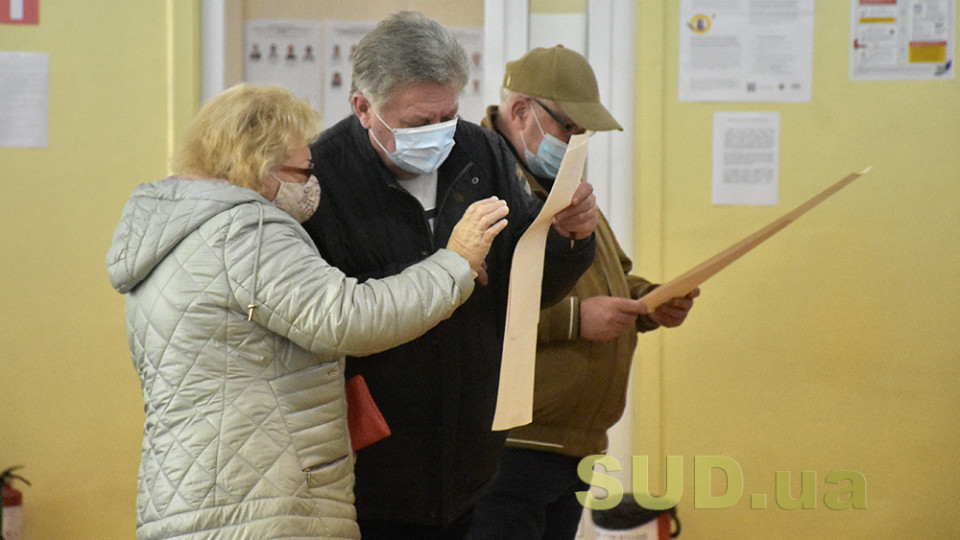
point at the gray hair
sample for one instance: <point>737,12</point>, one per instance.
<point>407,48</point>
<point>507,95</point>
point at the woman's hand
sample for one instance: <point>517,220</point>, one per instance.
<point>474,233</point>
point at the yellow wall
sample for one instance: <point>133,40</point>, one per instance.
<point>123,76</point>
<point>834,345</point>
<point>558,6</point>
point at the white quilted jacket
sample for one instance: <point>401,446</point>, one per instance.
<point>245,433</point>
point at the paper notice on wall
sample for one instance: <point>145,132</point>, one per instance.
<point>341,39</point>
<point>285,53</point>
<point>899,39</point>
<point>472,106</point>
<point>746,158</point>
<point>746,50</point>
<point>24,99</point>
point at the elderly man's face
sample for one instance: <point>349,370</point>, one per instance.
<point>415,105</point>
<point>551,119</point>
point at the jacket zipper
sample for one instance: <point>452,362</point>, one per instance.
<point>439,209</point>
<point>325,464</point>
<point>423,212</point>
<point>456,179</point>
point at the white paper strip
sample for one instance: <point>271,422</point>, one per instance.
<point>517,365</point>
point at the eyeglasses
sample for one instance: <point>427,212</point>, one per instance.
<point>297,170</point>
<point>567,126</point>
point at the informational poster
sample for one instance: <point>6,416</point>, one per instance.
<point>286,53</point>
<point>746,158</point>
<point>341,39</point>
<point>314,60</point>
<point>902,39</point>
<point>472,107</point>
<point>24,99</point>
<point>746,50</point>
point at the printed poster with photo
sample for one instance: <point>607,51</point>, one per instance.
<point>314,60</point>
<point>286,53</point>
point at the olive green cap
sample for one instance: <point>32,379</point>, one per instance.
<point>563,76</point>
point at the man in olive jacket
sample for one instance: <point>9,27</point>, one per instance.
<point>586,341</point>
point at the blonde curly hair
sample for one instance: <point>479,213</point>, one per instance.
<point>243,133</point>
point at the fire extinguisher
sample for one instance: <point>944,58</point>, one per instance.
<point>11,519</point>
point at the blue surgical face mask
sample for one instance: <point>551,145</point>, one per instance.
<point>420,150</point>
<point>546,162</point>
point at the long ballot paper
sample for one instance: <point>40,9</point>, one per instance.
<point>518,361</point>
<point>692,279</point>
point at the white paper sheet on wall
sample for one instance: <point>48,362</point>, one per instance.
<point>746,158</point>
<point>24,99</point>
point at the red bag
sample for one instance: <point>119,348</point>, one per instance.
<point>364,420</point>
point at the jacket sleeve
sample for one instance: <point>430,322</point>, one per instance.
<point>301,297</point>
<point>563,265</point>
<point>561,321</point>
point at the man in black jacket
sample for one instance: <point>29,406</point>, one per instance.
<point>396,176</point>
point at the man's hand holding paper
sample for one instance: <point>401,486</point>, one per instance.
<point>578,220</point>
<point>673,312</point>
<point>603,318</point>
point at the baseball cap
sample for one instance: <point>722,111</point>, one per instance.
<point>563,76</point>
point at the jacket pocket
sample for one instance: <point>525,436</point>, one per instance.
<point>314,411</point>
<point>329,474</point>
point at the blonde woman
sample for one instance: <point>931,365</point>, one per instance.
<point>238,328</point>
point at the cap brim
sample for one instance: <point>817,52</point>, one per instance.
<point>592,116</point>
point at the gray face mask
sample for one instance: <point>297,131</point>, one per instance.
<point>300,200</point>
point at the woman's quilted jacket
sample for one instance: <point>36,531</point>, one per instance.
<point>245,431</point>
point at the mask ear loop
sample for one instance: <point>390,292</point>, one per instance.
<point>380,144</point>
<point>279,184</point>
<point>522,138</point>
<point>382,120</point>
<point>524,141</point>
<point>537,120</point>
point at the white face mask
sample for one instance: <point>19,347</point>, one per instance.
<point>300,200</point>
<point>420,150</point>
<point>546,162</point>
